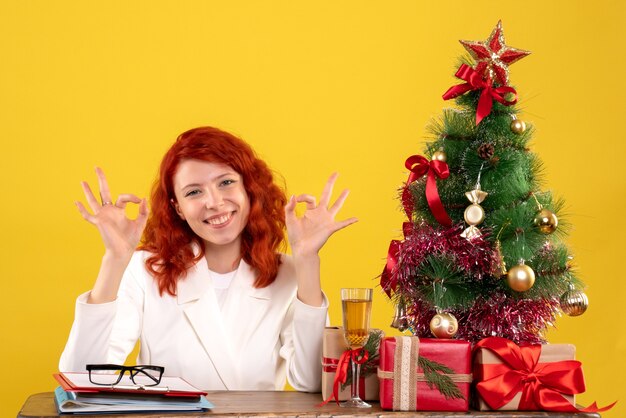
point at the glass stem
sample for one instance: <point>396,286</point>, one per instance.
<point>356,376</point>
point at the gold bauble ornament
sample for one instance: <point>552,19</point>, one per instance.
<point>546,221</point>
<point>520,277</point>
<point>444,325</point>
<point>518,126</point>
<point>574,302</point>
<point>439,156</point>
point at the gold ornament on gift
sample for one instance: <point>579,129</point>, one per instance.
<point>474,214</point>
<point>520,277</point>
<point>444,325</point>
<point>574,302</point>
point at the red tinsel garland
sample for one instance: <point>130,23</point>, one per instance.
<point>499,315</point>
<point>476,257</point>
<point>519,320</point>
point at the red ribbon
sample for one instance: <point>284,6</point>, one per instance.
<point>358,356</point>
<point>388,280</point>
<point>542,385</point>
<point>474,81</point>
<point>329,365</point>
<point>418,166</point>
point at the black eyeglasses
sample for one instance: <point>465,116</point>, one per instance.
<point>111,374</point>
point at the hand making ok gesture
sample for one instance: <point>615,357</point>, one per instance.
<point>119,233</point>
<point>308,233</point>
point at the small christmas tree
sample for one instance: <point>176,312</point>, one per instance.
<point>483,252</point>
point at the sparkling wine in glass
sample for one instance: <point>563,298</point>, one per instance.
<point>357,308</point>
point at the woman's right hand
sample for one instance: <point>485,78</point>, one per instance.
<point>119,233</point>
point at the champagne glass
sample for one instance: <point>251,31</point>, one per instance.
<point>357,308</point>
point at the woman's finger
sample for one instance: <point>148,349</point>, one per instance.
<point>308,199</point>
<point>84,213</point>
<point>290,209</point>
<point>328,190</point>
<point>142,216</point>
<point>342,224</point>
<point>105,193</point>
<point>91,199</point>
<point>339,202</point>
<point>125,198</point>
<point>291,204</point>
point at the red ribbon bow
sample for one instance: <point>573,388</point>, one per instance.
<point>358,356</point>
<point>542,385</point>
<point>474,81</point>
<point>419,166</point>
<point>388,279</point>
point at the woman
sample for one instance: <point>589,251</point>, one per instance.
<point>207,294</point>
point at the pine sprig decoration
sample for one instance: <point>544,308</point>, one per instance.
<point>371,346</point>
<point>436,375</point>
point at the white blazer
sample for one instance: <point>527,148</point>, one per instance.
<point>258,339</point>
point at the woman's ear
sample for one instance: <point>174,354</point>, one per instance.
<point>177,209</point>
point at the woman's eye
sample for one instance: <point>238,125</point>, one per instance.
<point>192,193</point>
<point>227,182</point>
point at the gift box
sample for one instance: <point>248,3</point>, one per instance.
<point>334,345</point>
<point>527,378</point>
<point>424,374</point>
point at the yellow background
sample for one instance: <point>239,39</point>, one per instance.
<point>314,86</point>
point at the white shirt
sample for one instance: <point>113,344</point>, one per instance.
<point>221,283</point>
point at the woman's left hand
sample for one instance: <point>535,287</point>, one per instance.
<point>308,233</point>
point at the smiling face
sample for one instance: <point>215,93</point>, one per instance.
<point>212,199</point>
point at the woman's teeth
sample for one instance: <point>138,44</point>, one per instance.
<point>219,220</point>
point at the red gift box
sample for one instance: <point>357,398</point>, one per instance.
<point>527,378</point>
<point>406,386</point>
<point>488,365</point>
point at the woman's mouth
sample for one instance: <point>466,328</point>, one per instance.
<point>219,220</point>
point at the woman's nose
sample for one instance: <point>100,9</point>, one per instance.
<point>213,199</point>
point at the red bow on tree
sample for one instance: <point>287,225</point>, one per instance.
<point>542,384</point>
<point>388,278</point>
<point>419,166</point>
<point>474,81</point>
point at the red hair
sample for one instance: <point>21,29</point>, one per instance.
<point>170,238</point>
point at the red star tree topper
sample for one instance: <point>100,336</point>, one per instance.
<point>493,57</point>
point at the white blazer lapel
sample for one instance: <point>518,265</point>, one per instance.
<point>203,312</point>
